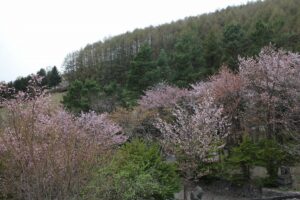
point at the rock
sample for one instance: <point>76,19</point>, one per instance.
<point>197,193</point>
<point>285,177</point>
<point>171,158</point>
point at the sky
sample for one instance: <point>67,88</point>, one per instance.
<point>38,34</point>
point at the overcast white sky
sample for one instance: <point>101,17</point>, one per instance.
<point>40,33</point>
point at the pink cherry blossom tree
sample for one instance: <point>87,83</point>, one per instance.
<point>198,129</point>
<point>272,89</point>
<point>48,152</point>
<point>226,89</point>
<point>162,96</point>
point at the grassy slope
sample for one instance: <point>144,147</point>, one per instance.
<point>57,98</point>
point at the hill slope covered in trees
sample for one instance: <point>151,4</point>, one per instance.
<point>184,51</point>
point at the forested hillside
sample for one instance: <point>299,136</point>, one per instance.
<point>151,112</point>
<point>184,51</point>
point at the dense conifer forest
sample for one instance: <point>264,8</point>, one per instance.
<point>184,51</point>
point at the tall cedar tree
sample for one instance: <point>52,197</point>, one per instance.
<point>42,72</point>
<point>233,44</point>
<point>141,73</point>
<point>54,77</point>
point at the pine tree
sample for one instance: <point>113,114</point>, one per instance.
<point>164,69</point>
<point>140,75</point>
<point>212,52</point>
<point>80,95</point>
<point>233,44</point>
<point>54,77</point>
<point>187,59</point>
<point>42,72</point>
<point>261,37</point>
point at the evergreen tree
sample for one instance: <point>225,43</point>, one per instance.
<point>140,74</point>
<point>54,77</point>
<point>21,83</point>
<point>165,73</point>
<point>80,95</point>
<point>212,52</point>
<point>187,59</point>
<point>42,72</point>
<point>262,36</point>
<point>233,44</point>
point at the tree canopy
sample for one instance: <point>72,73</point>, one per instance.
<point>187,50</point>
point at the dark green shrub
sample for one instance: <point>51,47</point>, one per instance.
<point>80,95</point>
<point>242,158</point>
<point>272,155</point>
<point>267,153</point>
<point>137,171</point>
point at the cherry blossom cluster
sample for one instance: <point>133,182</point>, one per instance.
<point>263,97</point>
<point>272,89</point>
<point>48,151</point>
<point>162,95</point>
<point>197,129</point>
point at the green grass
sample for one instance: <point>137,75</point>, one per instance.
<point>57,99</point>
<point>3,112</point>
